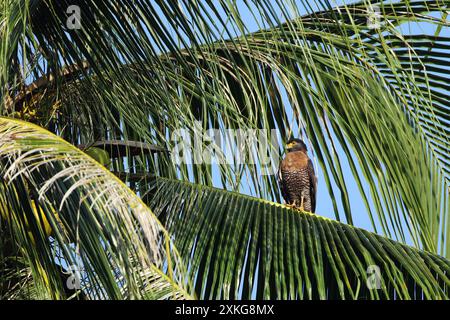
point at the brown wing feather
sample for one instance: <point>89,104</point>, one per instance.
<point>282,184</point>
<point>312,185</point>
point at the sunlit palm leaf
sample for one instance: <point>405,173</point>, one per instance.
<point>97,224</point>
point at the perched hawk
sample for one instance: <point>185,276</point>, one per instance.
<point>298,182</point>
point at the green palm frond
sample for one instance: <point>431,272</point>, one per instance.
<point>238,246</point>
<point>374,99</point>
<point>142,70</point>
<point>414,64</point>
<point>50,188</point>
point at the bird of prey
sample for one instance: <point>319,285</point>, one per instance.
<point>298,182</point>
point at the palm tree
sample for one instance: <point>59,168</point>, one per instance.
<point>93,205</point>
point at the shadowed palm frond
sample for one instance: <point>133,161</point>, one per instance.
<point>237,246</point>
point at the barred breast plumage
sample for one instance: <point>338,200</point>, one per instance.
<point>297,180</point>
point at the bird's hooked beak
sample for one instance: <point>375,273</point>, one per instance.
<point>290,145</point>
